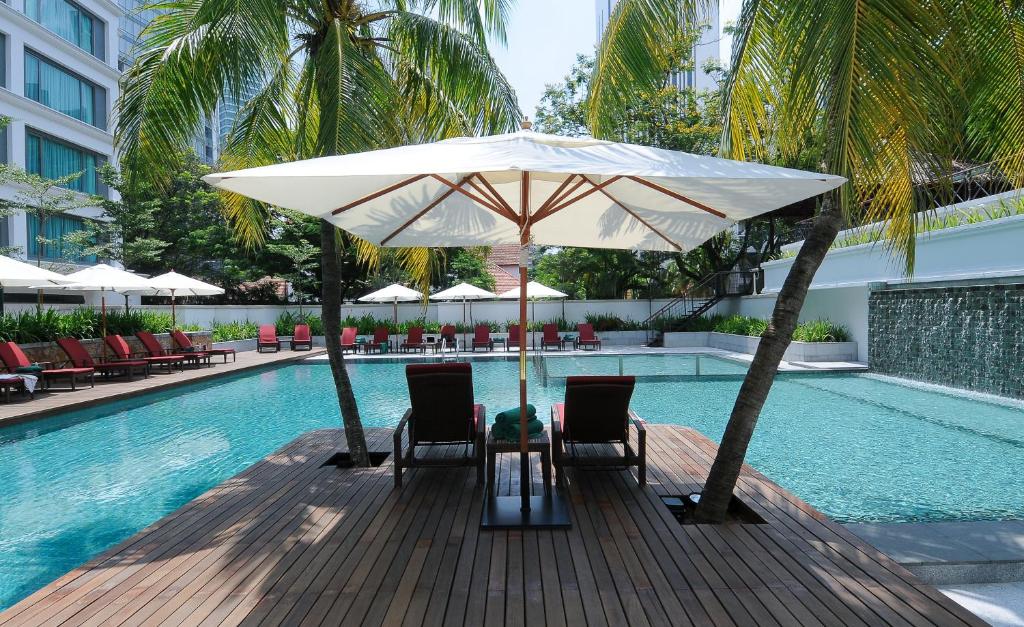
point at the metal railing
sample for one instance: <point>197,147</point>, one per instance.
<point>701,297</point>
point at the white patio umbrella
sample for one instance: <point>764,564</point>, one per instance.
<point>14,273</point>
<point>534,290</point>
<point>173,283</point>
<point>466,292</point>
<point>394,294</point>
<point>528,187</point>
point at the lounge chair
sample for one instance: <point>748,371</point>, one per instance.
<point>550,337</point>
<point>380,340</point>
<point>15,358</point>
<point>414,341</point>
<point>442,412</point>
<point>482,337</point>
<point>154,348</point>
<point>348,339</point>
<point>448,339</point>
<point>596,411</point>
<point>80,358</point>
<point>301,337</point>
<point>513,337</point>
<point>183,346</point>
<point>123,353</point>
<point>587,336</point>
<point>267,339</point>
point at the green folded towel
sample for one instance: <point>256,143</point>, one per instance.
<point>512,415</point>
<point>29,369</point>
<point>510,431</point>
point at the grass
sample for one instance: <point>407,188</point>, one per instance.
<point>810,331</point>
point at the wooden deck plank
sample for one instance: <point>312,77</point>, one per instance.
<point>291,542</point>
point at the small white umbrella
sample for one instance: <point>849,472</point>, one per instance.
<point>14,273</point>
<point>466,292</point>
<point>173,283</point>
<point>393,294</point>
<point>534,290</point>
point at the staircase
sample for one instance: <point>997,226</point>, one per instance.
<point>696,301</point>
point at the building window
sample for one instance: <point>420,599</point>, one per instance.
<point>56,248</point>
<point>52,159</point>
<point>61,90</point>
<point>68,21</point>
<point>3,59</point>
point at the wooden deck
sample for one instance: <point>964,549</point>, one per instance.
<point>291,542</point>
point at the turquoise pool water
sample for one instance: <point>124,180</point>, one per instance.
<point>856,447</point>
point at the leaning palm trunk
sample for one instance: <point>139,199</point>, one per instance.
<point>331,315</point>
<point>725,471</point>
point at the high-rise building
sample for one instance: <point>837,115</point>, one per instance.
<point>229,107</point>
<point>705,48</point>
<point>58,80</point>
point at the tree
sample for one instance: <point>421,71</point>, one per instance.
<point>303,257</point>
<point>469,265</point>
<point>882,81</point>
<point>334,77</point>
<point>589,273</point>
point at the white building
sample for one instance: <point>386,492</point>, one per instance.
<point>706,48</point>
<point>58,81</point>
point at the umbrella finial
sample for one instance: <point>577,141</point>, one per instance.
<point>526,124</point>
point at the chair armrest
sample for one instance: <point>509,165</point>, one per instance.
<point>398,434</point>
<point>638,422</point>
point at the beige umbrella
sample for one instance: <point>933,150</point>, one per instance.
<point>14,273</point>
<point>465,292</point>
<point>394,294</point>
<point>525,188</point>
<point>173,283</point>
<point>534,290</point>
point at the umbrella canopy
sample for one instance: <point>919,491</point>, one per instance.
<point>178,284</point>
<point>14,273</point>
<point>463,291</point>
<point>528,187</point>
<point>104,278</point>
<point>534,290</point>
<point>392,293</point>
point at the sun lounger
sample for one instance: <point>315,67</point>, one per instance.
<point>14,358</point>
<point>155,349</point>
<point>442,412</point>
<point>80,358</point>
<point>380,341</point>
<point>123,353</point>
<point>550,337</point>
<point>482,337</point>
<point>183,346</point>
<point>587,336</point>
<point>513,337</point>
<point>348,339</point>
<point>267,339</point>
<point>448,339</point>
<point>414,341</point>
<point>595,412</point>
<point>301,338</point>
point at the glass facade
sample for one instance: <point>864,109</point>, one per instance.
<point>52,159</point>
<point>69,21</point>
<point>53,86</point>
<point>55,247</point>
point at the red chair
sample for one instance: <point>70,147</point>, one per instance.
<point>513,336</point>
<point>587,336</point>
<point>414,341</point>
<point>124,354</point>
<point>596,411</point>
<point>80,358</point>
<point>482,337</point>
<point>301,337</point>
<point>381,338</point>
<point>442,412</point>
<point>348,339</point>
<point>154,348</point>
<point>551,337</point>
<point>14,358</point>
<point>184,345</point>
<point>267,339</point>
<point>448,339</point>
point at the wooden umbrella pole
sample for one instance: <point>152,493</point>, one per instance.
<point>103,316</point>
<point>174,315</point>
<point>524,455</point>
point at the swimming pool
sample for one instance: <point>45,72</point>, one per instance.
<point>857,447</point>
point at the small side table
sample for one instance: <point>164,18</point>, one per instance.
<point>536,444</point>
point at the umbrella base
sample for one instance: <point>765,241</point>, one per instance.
<point>546,512</point>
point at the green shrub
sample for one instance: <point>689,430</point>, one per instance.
<point>741,325</point>
<point>287,320</point>
<point>231,331</point>
<point>821,331</point>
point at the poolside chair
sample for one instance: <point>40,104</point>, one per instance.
<point>80,358</point>
<point>414,341</point>
<point>448,339</point>
<point>123,353</point>
<point>301,338</point>
<point>348,339</point>
<point>587,336</point>
<point>550,337</point>
<point>482,337</point>
<point>381,338</point>
<point>183,345</point>
<point>442,413</point>
<point>596,412</point>
<point>15,358</point>
<point>513,337</point>
<point>267,338</point>
<point>154,348</point>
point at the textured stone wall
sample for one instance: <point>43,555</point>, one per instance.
<point>966,337</point>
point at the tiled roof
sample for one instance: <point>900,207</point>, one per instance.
<point>503,264</point>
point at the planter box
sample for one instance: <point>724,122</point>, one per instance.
<point>240,345</point>
<point>685,339</point>
<point>797,351</point>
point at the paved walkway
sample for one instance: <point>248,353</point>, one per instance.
<point>61,398</point>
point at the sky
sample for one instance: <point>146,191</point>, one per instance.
<point>545,36</point>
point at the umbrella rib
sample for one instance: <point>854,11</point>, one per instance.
<point>557,195</point>
<point>677,196</point>
<point>423,212</point>
<point>563,204</point>
<point>475,198</point>
<point>494,195</point>
<point>379,193</point>
<point>639,219</point>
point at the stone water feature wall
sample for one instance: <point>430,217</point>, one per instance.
<point>969,337</point>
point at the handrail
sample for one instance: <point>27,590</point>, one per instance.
<point>717,280</point>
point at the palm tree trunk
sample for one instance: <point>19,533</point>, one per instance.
<point>725,470</point>
<point>331,316</point>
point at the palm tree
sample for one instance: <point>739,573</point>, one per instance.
<point>878,82</point>
<point>332,77</point>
